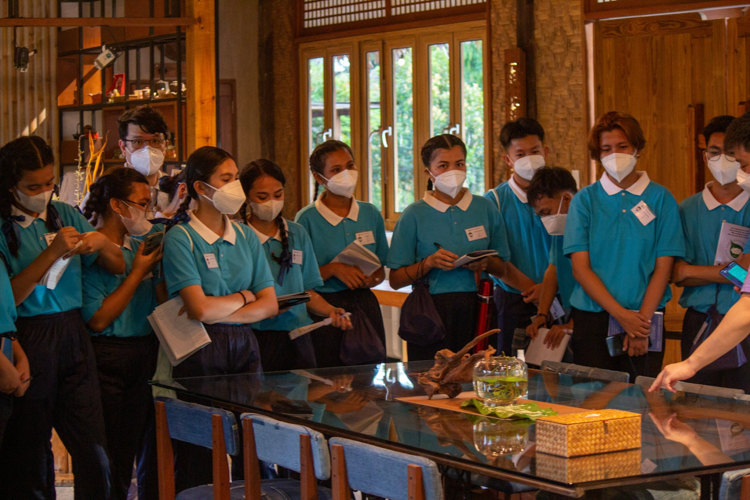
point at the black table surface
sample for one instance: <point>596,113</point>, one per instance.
<point>707,435</point>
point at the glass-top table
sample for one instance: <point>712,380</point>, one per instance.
<point>708,435</point>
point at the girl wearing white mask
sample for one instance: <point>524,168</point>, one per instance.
<point>622,235</point>
<point>64,391</point>
<point>291,257</point>
<point>334,221</point>
<point>219,269</point>
<point>115,308</point>
<point>432,233</point>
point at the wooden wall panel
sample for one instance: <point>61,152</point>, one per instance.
<point>28,101</point>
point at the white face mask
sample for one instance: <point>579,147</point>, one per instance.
<point>619,165</point>
<point>229,199</point>
<point>268,210</point>
<point>555,224</point>
<point>36,203</point>
<point>723,170</point>
<point>343,183</point>
<point>526,166</point>
<point>743,179</point>
<point>147,160</point>
<point>450,183</point>
<point>137,224</point>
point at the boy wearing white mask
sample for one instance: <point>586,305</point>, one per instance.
<point>333,221</point>
<point>622,235</point>
<point>143,143</point>
<point>723,199</point>
<point>550,193</point>
<point>525,153</point>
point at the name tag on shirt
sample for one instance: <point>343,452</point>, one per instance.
<point>297,257</point>
<point>365,238</point>
<point>49,237</point>
<point>644,214</point>
<point>476,233</point>
<point>211,260</point>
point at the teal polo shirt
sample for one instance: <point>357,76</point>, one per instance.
<point>528,241</point>
<point>330,234</point>
<point>622,250</point>
<point>67,295</point>
<point>221,265</point>
<point>564,268</point>
<point>702,216</point>
<point>429,221</point>
<point>8,313</point>
<point>100,284</point>
<point>301,277</point>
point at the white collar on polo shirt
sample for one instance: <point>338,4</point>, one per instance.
<point>209,236</point>
<point>637,188</point>
<point>334,219</point>
<point>736,204</point>
<point>438,205</point>
<point>520,193</point>
<point>26,222</point>
<point>263,238</point>
<point>126,243</point>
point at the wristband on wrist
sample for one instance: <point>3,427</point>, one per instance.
<point>243,299</point>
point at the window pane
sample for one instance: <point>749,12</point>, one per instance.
<point>315,119</point>
<point>440,89</point>
<point>403,133</point>
<point>342,126</point>
<point>472,113</point>
<point>373,119</point>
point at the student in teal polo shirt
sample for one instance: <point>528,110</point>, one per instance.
<point>219,269</point>
<point>334,221</point>
<point>525,153</point>
<point>36,232</point>
<point>115,308</point>
<point>291,257</point>
<point>433,232</point>
<point>550,194</point>
<point>702,216</point>
<point>14,365</point>
<point>622,235</point>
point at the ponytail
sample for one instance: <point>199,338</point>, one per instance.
<point>117,183</point>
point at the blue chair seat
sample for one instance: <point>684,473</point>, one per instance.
<point>270,489</point>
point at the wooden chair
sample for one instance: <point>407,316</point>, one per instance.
<point>382,473</point>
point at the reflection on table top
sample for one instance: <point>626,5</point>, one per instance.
<point>682,433</point>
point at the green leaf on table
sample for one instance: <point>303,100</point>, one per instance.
<point>530,411</point>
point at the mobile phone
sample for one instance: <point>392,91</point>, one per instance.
<point>734,273</point>
<point>614,345</point>
<point>152,242</point>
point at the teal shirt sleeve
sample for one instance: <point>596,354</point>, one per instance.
<point>499,238</point>
<point>670,239</point>
<point>403,251</point>
<point>578,224</point>
<point>180,268</point>
<point>689,246</point>
<point>94,291</point>
<point>262,277</point>
<point>310,271</point>
<point>81,225</point>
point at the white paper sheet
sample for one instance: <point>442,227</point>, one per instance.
<point>538,352</point>
<point>179,336</point>
<point>732,240</point>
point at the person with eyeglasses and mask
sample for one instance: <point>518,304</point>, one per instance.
<point>622,235</point>
<point>703,216</point>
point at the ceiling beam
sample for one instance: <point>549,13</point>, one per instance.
<point>7,22</point>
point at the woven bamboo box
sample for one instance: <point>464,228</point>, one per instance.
<point>588,433</point>
<point>590,467</point>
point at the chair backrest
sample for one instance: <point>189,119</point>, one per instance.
<point>383,473</point>
<point>585,371</point>
<point>278,442</point>
<point>707,390</point>
<point>191,423</point>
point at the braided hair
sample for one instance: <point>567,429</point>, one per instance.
<point>252,172</point>
<point>200,166</point>
<point>320,154</point>
<point>26,153</point>
<point>116,183</point>
<point>171,183</point>
<point>442,141</point>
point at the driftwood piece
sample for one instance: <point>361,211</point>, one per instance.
<point>453,369</point>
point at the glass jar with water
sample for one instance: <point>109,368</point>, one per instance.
<point>501,380</point>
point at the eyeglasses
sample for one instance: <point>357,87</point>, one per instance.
<point>714,155</point>
<point>137,144</point>
<point>147,207</point>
